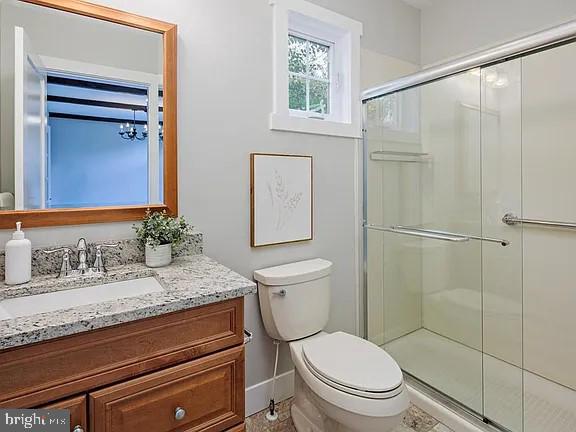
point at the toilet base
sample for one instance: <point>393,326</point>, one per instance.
<point>301,422</point>
<point>312,414</point>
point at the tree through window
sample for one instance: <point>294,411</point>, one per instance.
<point>309,76</point>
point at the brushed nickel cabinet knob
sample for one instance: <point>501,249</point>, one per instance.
<point>179,413</point>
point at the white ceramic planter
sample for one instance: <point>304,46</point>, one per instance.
<point>158,256</point>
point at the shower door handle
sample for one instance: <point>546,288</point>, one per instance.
<point>511,219</point>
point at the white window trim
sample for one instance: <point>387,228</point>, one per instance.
<point>349,122</point>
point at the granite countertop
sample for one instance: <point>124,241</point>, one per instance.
<point>188,282</point>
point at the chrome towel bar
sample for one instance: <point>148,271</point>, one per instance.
<point>510,219</point>
<point>472,237</point>
<point>416,232</point>
<point>434,234</point>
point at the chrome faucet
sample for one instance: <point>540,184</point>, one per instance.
<point>82,256</point>
<point>98,268</point>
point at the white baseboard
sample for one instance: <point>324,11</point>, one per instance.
<point>258,395</point>
<point>441,413</point>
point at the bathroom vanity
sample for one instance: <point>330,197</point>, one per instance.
<point>129,349</point>
<point>166,359</point>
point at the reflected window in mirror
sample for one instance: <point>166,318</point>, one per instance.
<point>99,144</point>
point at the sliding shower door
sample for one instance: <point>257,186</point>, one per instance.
<point>549,253</point>
<point>501,146</point>
<point>424,210</point>
<point>469,301</point>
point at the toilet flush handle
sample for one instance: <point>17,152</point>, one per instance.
<point>281,293</point>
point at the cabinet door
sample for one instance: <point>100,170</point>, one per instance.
<point>202,395</point>
<point>77,406</point>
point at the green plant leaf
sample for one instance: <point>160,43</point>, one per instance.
<point>158,228</point>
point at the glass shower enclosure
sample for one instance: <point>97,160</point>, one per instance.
<point>473,303</point>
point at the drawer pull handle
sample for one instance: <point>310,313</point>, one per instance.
<point>179,413</point>
<point>78,428</point>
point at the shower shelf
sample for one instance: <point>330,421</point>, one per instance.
<point>396,156</point>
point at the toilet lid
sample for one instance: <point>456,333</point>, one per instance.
<point>352,362</point>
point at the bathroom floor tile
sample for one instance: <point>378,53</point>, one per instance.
<point>441,428</point>
<point>403,428</point>
<point>415,420</point>
<point>418,420</point>
<point>259,423</point>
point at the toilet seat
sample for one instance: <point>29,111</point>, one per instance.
<point>353,365</point>
<point>343,398</point>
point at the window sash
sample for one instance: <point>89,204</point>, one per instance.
<point>307,76</point>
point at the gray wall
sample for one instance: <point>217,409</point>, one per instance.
<point>391,27</point>
<point>88,160</point>
<point>453,27</point>
<point>225,98</point>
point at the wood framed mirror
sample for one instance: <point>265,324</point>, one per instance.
<point>88,132</point>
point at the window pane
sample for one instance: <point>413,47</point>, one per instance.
<point>319,65</point>
<point>297,51</point>
<point>297,93</point>
<point>319,96</point>
<point>390,111</point>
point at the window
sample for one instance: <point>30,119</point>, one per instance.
<point>316,70</point>
<point>309,82</point>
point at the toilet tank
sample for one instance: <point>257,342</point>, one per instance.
<point>295,298</point>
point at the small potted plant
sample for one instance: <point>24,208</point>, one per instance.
<point>158,233</point>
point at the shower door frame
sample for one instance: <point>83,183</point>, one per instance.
<point>521,47</point>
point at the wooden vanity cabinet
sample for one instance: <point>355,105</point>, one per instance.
<point>182,371</point>
<point>200,395</point>
<point>78,408</point>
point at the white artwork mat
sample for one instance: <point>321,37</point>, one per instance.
<point>282,199</point>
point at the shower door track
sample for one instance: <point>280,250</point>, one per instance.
<point>453,405</point>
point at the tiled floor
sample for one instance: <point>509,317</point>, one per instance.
<point>415,420</point>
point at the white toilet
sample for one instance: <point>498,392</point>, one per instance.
<point>343,383</point>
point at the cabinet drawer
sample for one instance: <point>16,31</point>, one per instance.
<point>78,412</point>
<point>37,374</point>
<point>207,394</point>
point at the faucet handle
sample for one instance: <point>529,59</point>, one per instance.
<point>66,250</point>
<point>65,267</point>
<point>99,265</point>
<point>107,245</point>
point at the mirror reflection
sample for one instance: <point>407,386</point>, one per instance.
<point>81,122</point>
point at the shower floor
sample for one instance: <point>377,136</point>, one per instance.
<point>502,392</point>
<point>450,367</point>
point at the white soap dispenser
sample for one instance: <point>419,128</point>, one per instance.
<point>18,264</point>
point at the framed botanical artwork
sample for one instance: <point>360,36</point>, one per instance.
<point>281,195</point>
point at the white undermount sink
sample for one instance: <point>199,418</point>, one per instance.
<point>65,299</point>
